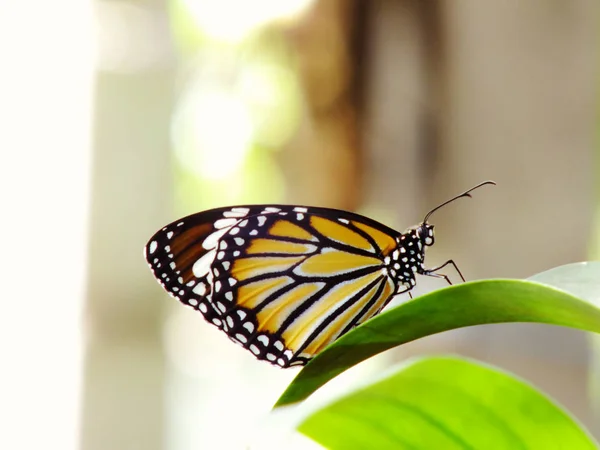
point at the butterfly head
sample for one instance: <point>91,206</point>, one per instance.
<point>425,234</point>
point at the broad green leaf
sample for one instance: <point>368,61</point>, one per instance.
<point>446,403</point>
<point>473,303</point>
<point>580,279</point>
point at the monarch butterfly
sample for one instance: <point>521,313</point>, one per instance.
<point>285,281</point>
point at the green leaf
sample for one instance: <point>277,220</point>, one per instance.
<point>467,304</point>
<point>446,403</point>
<point>580,279</point>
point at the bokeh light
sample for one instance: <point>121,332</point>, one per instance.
<point>234,20</point>
<point>212,133</point>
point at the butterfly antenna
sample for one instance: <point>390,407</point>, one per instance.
<point>464,194</point>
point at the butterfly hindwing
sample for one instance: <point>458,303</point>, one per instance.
<point>180,256</point>
<point>283,281</point>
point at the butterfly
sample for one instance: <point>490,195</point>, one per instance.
<point>285,281</point>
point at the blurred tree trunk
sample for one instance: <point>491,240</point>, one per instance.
<point>322,164</point>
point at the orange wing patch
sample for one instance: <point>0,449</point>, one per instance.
<point>253,294</point>
<point>247,268</point>
<point>185,252</point>
<point>309,320</point>
<point>333,330</point>
<point>272,316</point>
<point>340,233</point>
<point>285,228</point>
<point>385,242</point>
<point>262,245</point>
<point>335,262</point>
<point>388,291</point>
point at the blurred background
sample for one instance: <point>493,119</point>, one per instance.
<point>118,117</point>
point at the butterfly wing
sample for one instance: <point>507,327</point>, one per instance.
<point>283,281</point>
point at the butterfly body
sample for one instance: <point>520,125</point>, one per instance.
<point>285,281</point>
<point>264,269</point>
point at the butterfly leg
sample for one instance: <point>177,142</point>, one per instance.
<point>432,272</point>
<point>438,275</point>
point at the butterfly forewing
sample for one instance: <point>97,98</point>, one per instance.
<point>283,281</point>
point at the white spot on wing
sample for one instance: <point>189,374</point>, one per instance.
<point>300,209</point>
<point>236,212</point>
<point>200,289</point>
<point>153,246</point>
<point>202,266</point>
<point>211,240</point>
<point>224,223</point>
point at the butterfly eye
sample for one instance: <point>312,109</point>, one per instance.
<point>427,235</point>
